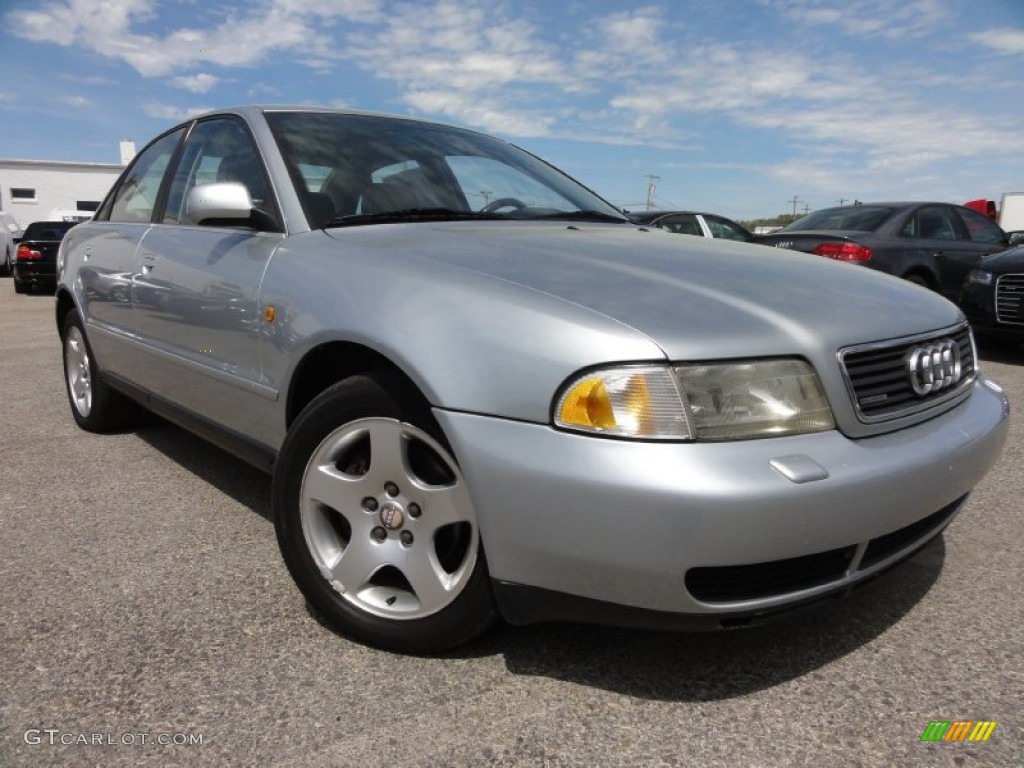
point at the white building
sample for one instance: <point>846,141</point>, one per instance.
<point>41,190</point>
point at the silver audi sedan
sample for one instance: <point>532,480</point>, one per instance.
<point>483,393</point>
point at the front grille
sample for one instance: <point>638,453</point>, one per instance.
<point>1010,299</point>
<point>726,584</point>
<point>878,376</point>
<point>750,582</point>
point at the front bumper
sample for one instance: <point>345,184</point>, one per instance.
<point>978,303</point>
<point>629,523</point>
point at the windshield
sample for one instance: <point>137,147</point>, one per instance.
<point>353,169</point>
<point>859,217</point>
<point>47,230</point>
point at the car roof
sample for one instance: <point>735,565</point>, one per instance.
<point>255,110</point>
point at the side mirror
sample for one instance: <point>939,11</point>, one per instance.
<point>221,200</point>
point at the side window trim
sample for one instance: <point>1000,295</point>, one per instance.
<point>270,206</point>
<point>106,207</point>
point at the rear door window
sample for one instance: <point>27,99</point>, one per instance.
<point>932,222</point>
<point>981,229</point>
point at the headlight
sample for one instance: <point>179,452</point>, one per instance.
<point>717,401</point>
<point>980,276</point>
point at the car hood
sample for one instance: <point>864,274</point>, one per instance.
<point>1004,261</point>
<point>689,295</point>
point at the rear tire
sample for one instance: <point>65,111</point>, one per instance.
<point>6,269</point>
<point>95,406</point>
<point>20,287</point>
<point>918,279</point>
<point>375,521</point>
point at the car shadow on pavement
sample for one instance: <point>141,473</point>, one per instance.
<point>242,482</point>
<point>669,666</point>
<point>694,667</point>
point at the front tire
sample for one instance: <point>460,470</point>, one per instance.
<point>375,521</point>
<point>95,406</point>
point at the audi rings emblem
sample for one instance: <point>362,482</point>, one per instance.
<point>934,367</point>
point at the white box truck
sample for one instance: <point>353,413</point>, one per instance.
<point>1011,211</point>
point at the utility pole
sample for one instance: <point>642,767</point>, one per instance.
<point>794,201</point>
<point>841,200</point>
<point>487,195</point>
<point>807,209</point>
<point>652,183</point>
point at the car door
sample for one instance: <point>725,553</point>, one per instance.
<point>198,285</point>
<point>106,248</point>
<point>941,234</point>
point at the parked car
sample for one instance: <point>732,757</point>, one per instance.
<point>993,297</point>
<point>10,234</point>
<point>690,223</point>
<point>932,244</point>
<point>35,265</point>
<point>1016,237</point>
<point>516,403</point>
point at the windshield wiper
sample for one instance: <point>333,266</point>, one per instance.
<point>583,216</point>
<point>409,214</point>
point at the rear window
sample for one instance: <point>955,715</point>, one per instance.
<point>47,230</point>
<point>860,217</point>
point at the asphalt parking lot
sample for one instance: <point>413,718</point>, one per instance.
<point>145,601</point>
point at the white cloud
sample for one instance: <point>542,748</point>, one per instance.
<point>7,96</point>
<point>74,101</point>
<point>241,39</point>
<point>487,113</point>
<point>868,18</point>
<point>199,83</point>
<point>1008,41</point>
<point>163,111</point>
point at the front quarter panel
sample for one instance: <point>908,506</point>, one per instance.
<point>470,342</point>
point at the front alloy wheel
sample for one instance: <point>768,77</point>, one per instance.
<point>78,371</point>
<point>95,406</point>
<point>376,523</point>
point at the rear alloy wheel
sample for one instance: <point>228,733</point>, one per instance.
<point>95,406</point>
<point>376,524</point>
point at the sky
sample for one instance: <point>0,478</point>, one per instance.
<point>736,106</point>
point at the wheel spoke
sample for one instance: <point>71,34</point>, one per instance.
<point>426,577</point>
<point>357,564</point>
<point>441,507</point>
<point>387,452</point>
<point>324,483</point>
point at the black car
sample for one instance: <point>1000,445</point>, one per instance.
<point>932,244</point>
<point>693,223</point>
<point>35,265</point>
<point>993,297</point>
